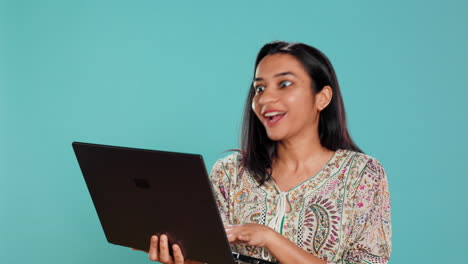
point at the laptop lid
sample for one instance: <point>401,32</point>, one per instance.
<point>140,192</point>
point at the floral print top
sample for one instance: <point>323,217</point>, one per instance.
<point>341,214</point>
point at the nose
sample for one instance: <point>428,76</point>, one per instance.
<point>267,96</point>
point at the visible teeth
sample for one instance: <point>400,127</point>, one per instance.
<point>274,113</point>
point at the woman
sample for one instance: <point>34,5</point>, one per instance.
<point>299,190</point>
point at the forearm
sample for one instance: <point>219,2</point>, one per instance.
<point>286,252</point>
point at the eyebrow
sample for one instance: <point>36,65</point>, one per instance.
<point>276,75</point>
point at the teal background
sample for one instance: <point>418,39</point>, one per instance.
<point>174,75</point>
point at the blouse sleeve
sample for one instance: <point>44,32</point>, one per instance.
<point>370,239</point>
<point>220,181</point>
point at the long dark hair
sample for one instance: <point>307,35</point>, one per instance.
<point>257,150</point>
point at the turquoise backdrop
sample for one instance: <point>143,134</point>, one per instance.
<point>174,75</point>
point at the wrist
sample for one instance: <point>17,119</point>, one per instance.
<point>272,238</point>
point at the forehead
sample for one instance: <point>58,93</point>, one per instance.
<point>277,63</point>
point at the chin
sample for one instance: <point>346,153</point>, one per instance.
<point>275,136</point>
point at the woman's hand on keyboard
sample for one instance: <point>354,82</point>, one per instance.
<point>251,234</point>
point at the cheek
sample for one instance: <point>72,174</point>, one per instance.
<point>292,99</point>
<point>301,102</point>
<point>254,106</point>
<point>299,99</point>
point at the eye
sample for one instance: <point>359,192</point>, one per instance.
<point>259,88</point>
<point>286,83</point>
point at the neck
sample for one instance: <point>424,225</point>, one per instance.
<point>303,149</point>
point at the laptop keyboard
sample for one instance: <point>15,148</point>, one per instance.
<point>251,262</point>
<point>242,259</point>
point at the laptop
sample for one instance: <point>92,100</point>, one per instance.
<point>140,192</point>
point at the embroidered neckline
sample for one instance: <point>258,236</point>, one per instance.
<point>329,162</point>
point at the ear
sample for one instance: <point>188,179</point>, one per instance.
<point>323,98</point>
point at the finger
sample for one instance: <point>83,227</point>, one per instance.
<point>153,251</point>
<point>231,229</point>
<point>232,238</point>
<point>238,238</point>
<point>243,237</point>
<point>178,257</point>
<point>164,250</point>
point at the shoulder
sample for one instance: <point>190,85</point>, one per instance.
<point>366,161</point>
<point>231,161</point>
<point>373,168</point>
<point>364,167</point>
<point>370,172</point>
<point>227,166</point>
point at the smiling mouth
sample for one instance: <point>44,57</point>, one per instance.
<point>274,119</point>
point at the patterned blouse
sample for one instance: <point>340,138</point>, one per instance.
<point>341,214</point>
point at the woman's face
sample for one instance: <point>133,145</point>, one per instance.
<point>284,101</point>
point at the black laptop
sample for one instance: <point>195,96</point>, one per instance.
<point>139,192</point>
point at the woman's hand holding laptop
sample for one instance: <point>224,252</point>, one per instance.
<point>159,251</point>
